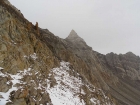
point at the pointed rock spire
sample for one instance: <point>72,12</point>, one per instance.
<point>77,41</point>
<point>72,35</point>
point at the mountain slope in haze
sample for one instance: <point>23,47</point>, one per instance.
<point>39,68</point>
<point>34,69</point>
<point>117,74</point>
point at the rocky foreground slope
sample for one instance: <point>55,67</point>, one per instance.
<point>38,68</point>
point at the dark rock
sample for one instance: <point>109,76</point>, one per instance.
<point>24,47</point>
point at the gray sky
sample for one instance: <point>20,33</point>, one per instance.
<point>106,25</point>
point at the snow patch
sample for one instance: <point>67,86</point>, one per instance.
<point>15,80</point>
<point>63,88</point>
<point>67,90</point>
<point>34,56</point>
<point>1,68</point>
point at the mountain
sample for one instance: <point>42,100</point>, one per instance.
<point>39,68</point>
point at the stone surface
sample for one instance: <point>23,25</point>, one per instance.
<point>28,55</point>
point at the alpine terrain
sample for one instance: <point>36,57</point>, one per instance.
<point>39,68</point>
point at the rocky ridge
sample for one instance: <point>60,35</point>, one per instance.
<point>27,58</point>
<point>38,68</point>
<point>117,74</point>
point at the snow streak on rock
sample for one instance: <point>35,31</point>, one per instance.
<point>16,79</point>
<point>62,86</point>
<point>33,56</point>
<point>67,87</point>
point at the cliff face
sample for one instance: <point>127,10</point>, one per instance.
<point>127,65</point>
<point>24,60</point>
<point>38,68</point>
<point>126,68</point>
<point>34,66</point>
<point>117,74</point>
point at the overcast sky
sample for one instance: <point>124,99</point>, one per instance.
<point>106,25</point>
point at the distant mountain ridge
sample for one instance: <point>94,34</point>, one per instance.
<point>39,68</point>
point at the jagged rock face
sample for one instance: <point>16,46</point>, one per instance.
<point>73,36</point>
<point>18,45</point>
<point>28,60</point>
<point>77,41</point>
<point>20,50</point>
<point>126,68</point>
<point>7,2</point>
<point>118,74</point>
<point>78,46</point>
<point>38,68</point>
<point>125,65</point>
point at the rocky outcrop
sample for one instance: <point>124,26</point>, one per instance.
<point>26,61</point>
<point>126,68</point>
<point>21,50</point>
<point>117,74</point>
<point>39,68</point>
<point>77,41</point>
<point>79,47</point>
<point>126,65</point>
<point>122,65</point>
<point>8,3</point>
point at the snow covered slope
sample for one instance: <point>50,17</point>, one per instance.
<point>68,89</point>
<point>63,88</point>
